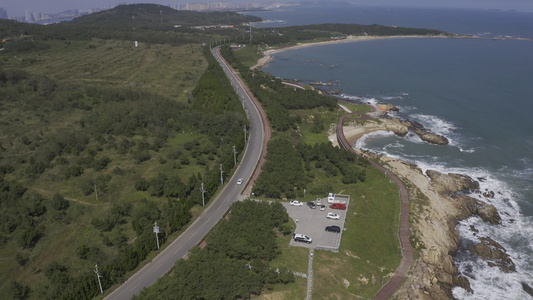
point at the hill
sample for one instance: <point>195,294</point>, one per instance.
<point>98,140</point>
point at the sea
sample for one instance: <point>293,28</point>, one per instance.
<point>476,92</point>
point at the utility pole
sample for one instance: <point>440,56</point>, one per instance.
<point>203,192</point>
<point>98,275</point>
<point>156,230</point>
<point>234,156</point>
<point>95,191</point>
<point>221,178</point>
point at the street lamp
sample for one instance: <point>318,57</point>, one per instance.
<point>203,192</point>
<point>98,275</point>
<point>156,230</point>
<point>221,171</point>
<point>234,156</point>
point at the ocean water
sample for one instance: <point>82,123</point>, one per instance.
<point>476,92</point>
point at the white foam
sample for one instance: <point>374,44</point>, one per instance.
<point>361,143</point>
<point>434,123</point>
<point>489,283</point>
<point>471,150</point>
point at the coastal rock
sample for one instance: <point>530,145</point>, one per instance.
<point>431,138</point>
<point>494,254</point>
<point>424,134</point>
<point>464,283</point>
<point>452,182</point>
<point>470,206</point>
<point>527,288</point>
<point>385,107</point>
<point>488,213</point>
<point>488,194</point>
<point>395,125</point>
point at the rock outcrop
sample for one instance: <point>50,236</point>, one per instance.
<point>387,107</point>
<point>527,288</point>
<point>452,183</point>
<point>471,206</point>
<point>434,274</point>
<point>430,137</point>
<point>494,254</point>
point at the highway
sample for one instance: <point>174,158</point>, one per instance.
<point>193,235</point>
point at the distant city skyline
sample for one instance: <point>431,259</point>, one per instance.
<point>18,8</point>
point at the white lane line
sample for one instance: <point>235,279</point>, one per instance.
<point>134,286</point>
<point>157,268</point>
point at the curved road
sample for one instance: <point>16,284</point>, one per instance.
<point>407,250</point>
<point>257,137</point>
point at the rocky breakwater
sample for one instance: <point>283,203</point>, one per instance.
<point>400,127</point>
<point>434,274</point>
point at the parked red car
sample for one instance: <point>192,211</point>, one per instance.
<point>338,206</point>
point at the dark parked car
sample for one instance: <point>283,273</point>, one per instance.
<point>336,229</point>
<point>311,204</point>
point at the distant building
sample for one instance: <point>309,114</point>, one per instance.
<point>29,17</point>
<point>3,13</point>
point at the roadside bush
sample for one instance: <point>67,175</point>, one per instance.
<point>29,237</point>
<point>58,202</point>
<point>142,184</point>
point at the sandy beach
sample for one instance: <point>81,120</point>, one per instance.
<point>267,54</point>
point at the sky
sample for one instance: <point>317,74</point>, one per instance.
<point>17,8</point>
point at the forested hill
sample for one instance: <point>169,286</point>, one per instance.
<point>152,16</point>
<point>149,23</point>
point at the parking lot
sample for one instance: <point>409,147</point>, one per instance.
<point>312,222</point>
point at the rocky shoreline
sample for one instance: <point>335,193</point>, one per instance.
<point>439,201</point>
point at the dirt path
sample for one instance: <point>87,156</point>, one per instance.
<point>49,194</point>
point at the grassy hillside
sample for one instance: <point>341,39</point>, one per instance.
<point>99,139</point>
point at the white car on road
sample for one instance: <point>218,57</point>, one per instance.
<point>240,181</point>
<point>333,216</point>
<point>296,203</point>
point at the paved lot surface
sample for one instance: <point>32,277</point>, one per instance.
<point>312,222</point>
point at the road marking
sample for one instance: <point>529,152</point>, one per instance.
<point>135,286</point>
<point>157,268</point>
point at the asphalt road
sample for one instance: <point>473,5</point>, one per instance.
<point>179,248</point>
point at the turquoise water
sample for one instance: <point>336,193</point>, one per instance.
<point>476,92</point>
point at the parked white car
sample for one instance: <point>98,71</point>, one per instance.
<point>331,197</point>
<point>298,237</point>
<point>318,200</point>
<point>333,216</point>
<point>296,203</point>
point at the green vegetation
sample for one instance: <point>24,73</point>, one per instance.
<point>286,36</point>
<point>249,55</point>
<point>298,159</point>
<point>147,23</point>
<point>369,250</point>
<point>235,263</point>
<point>98,141</point>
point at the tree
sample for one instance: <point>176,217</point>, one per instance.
<point>58,202</point>
<point>29,237</point>
<point>19,291</point>
<point>142,184</point>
